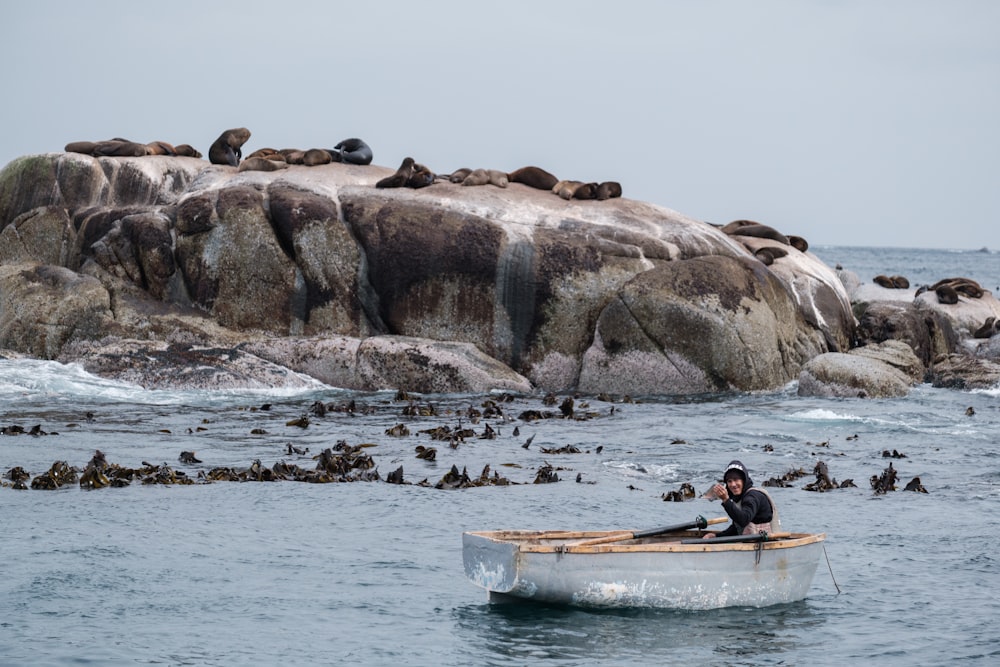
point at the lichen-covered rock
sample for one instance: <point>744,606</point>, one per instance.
<point>928,333</point>
<point>966,372</point>
<point>612,295</point>
<point>391,362</point>
<point>699,325</point>
<point>42,307</point>
<point>897,354</point>
<point>841,375</point>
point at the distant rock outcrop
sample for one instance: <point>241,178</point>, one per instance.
<point>443,287</point>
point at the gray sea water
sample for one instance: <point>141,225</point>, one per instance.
<point>370,573</point>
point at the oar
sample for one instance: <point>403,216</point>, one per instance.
<point>756,537</point>
<point>700,522</point>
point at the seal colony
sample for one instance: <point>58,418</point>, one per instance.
<point>227,150</point>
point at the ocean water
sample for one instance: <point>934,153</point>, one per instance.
<point>370,573</point>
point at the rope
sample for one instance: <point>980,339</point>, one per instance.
<point>831,570</point>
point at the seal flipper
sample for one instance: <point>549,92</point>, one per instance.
<point>231,157</point>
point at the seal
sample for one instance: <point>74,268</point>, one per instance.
<point>118,148</point>
<point>883,281</point>
<point>187,150</point>
<point>756,230</point>
<point>798,243</point>
<point>409,175</point>
<point>261,164</point>
<point>966,286</point>
<point>84,147</point>
<point>946,294</point>
<point>352,151</point>
<point>293,155</point>
<point>768,254</point>
<point>316,156</point>
<point>228,148</point>
<point>987,330</point>
<point>575,190</point>
<point>608,190</point>
<point>421,177</point>
<point>160,148</point>
<point>585,191</point>
<point>900,282</point>
<point>486,177</point>
<point>533,177</point>
<point>459,175</point>
<point>268,153</point>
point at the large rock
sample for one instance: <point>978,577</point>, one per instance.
<point>391,362</point>
<point>615,295</point>
<point>840,375</point>
<point>929,333</point>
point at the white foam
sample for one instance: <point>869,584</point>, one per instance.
<point>22,379</point>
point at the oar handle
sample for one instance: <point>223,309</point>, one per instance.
<point>700,522</point>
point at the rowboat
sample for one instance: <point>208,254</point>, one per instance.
<point>675,569</point>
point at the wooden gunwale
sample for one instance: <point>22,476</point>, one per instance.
<point>554,541</point>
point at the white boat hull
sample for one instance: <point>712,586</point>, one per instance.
<point>546,567</point>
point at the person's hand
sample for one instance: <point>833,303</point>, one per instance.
<point>720,492</point>
<point>707,535</point>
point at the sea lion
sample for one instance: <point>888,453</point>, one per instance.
<point>966,286</point>
<point>84,147</point>
<point>900,282</point>
<point>946,294</point>
<point>187,150</point>
<point>498,178</point>
<point>728,228</point>
<point>883,281</point>
<point>758,231</point>
<point>188,457</point>
<point>575,190</point>
<point>585,191</point>
<point>352,151</point>
<point>265,153</point>
<point>608,190</point>
<point>486,177</point>
<point>316,156</point>
<point>409,175</point>
<point>533,177</point>
<point>118,148</point>
<point>261,164</point>
<point>160,148</point>
<point>768,254</point>
<point>459,175</point>
<point>400,178</point>
<point>421,177</point>
<point>798,243</point>
<point>228,148</point>
<point>476,177</point>
<point>987,330</point>
<point>293,155</point>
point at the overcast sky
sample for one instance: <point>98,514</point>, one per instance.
<point>854,122</point>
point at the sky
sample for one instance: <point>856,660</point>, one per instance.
<point>846,122</point>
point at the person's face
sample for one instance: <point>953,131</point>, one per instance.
<point>735,485</point>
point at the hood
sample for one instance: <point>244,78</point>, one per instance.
<point>737,467</point>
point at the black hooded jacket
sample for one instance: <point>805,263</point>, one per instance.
<point>752,506</point>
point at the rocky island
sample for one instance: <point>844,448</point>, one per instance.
<point>171,271</point>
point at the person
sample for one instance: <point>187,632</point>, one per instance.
<point>751,509</point>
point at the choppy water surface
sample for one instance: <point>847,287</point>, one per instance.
<point>371,573</point>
